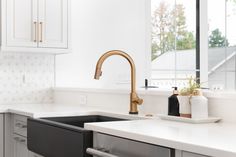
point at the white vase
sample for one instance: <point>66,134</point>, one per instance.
<point>199,107</point>
<point>184,106</point>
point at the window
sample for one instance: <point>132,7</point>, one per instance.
<point>176,43</point>
<point>222,43</point>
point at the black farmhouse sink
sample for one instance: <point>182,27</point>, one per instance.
<point>62,136</point>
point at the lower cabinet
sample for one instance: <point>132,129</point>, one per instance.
<point>20,147</point>
<point>16,137</point>
<point>15,141</point>
<point>1,136</point>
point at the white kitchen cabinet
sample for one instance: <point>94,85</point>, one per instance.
<point>8,135</point>
<point>21,23</point>
<point>20,147</point>
<point>35,26</point>
<point>1,136</point>
<point>16,137</point>
<point>53,16</point>
<point>20,125</point>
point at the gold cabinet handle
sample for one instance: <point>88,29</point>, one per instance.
<point>41,32</point>
<point>35,31</point>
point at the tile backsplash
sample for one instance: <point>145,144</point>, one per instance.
<point>26,78</point>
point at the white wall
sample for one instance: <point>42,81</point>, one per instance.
<point>155,102</point>
<point>99,26</point>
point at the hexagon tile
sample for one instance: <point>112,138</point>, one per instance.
<point>26,78</point>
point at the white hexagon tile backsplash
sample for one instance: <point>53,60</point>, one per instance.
<point>26,78</point>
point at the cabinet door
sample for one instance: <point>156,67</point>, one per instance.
<point>1,135</point>
<point>21,23</point>
<point>20,147</point>
<point>53,23</point>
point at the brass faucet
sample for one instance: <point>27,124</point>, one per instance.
<point>134,99</point>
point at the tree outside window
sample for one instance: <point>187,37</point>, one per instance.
<point>169,30</point>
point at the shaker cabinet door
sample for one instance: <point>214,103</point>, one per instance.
<point>21,23</point>
<point>53,23</point>
<point>20,147</point>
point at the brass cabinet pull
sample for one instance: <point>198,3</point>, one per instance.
<point>35,31</point>
<point>41,32</point>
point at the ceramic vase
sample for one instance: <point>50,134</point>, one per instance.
<point>199,107</point>
<point>184,106</point>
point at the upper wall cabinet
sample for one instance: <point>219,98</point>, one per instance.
<point>53,23</point>
<point>35,26</point>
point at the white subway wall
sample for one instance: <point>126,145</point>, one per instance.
<point>154,102</point>
<point>97,27</point>
<point>26,78</point>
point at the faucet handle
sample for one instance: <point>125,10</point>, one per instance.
<point>135,101</point>
<point>138,101</point>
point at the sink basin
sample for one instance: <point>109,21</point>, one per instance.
<point>62,136</point>
<point>81,120</point>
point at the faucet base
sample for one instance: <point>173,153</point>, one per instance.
<point>133,112</point>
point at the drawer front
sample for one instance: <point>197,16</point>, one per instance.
<point>20,139</point>
<point>129,148</point>
<point>20,125</point>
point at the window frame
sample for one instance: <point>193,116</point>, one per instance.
<point>201,41</point>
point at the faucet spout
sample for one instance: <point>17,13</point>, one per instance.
<point>134,99</point>
<point>98,73</point>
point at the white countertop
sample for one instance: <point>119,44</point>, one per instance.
<point>218,140</point>
<point>62,110</point>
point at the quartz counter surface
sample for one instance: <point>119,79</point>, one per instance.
<point>216,139</point>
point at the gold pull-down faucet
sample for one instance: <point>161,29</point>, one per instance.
<point>134,99</point>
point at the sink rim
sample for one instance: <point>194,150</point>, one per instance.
<point>46,120</point>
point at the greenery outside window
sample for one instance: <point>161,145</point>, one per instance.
<point>176,53</point>
<point>174,42</point>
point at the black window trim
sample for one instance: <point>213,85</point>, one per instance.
<point>198,73</point>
